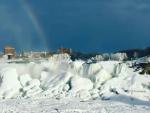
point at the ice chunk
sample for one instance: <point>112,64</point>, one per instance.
<point>79,83</point>
<point>32,83</point>
<point>9,83</point>
<point>24,79</point>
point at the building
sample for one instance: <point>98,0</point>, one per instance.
<point>64,50</point>
<point>34,54</point>
<point>9,52</point>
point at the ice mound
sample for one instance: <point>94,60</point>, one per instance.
<point>9,83</point>
<point>76,67</point>
<point>61,77</point>
<point>32,88</point>
<point>79,83</point>
<point>24,79</point>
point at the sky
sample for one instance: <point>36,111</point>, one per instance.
<point>83,25</point>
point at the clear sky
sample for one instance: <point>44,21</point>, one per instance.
<point>83,25</point>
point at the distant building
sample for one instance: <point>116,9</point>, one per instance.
<point>36,54</point>
<point>64,50</point>
<point>9,52</point>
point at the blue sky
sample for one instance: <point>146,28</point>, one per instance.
<point>83,25</point>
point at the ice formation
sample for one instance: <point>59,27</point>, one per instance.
<point>9,83</point>
<point>61,77</point>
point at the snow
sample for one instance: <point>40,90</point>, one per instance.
<point>79,83</point>
<point>24,79</point>
<point>62,79</point>
<point>9,84</point>
<point>71,106</point>
<point>113,56</point>
<point>118,56</point>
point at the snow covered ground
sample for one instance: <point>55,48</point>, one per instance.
<point>70,106</point>
<point>60,85</point>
